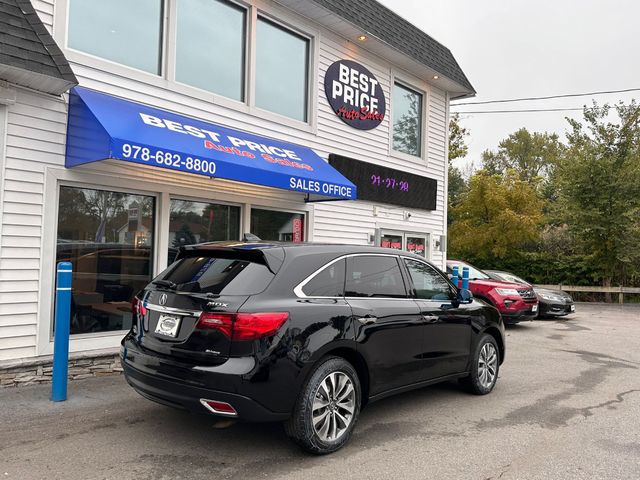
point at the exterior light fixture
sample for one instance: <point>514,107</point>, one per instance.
<point>362,38</point>
<point>436,77</point>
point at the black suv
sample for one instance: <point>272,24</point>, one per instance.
<point>304,333</point>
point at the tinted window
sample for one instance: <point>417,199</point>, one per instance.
<point>328,283</point>
<point>275,225</point>
<point>374,276</point>
<point>210,46</point>
<point>218,275</point>
<point>428,283</point>
<point>281,70</point>
<point>123,31</point>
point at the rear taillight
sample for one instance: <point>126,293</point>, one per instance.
<point>137,307</point>
<point>243,326</point>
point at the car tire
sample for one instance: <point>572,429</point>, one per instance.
<point>485,366</point>
<point>327,408</point>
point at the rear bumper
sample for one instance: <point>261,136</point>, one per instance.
<point>180,395</point>
<point>182,386</point>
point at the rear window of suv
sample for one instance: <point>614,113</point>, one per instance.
<point>223,276</point>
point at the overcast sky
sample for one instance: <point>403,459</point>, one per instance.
<point>522,48</point>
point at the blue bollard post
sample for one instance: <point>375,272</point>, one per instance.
<point>62,320</point>
<point>465,278</point>
<point>455,277</point>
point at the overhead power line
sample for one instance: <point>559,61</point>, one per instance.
<point>549,97</point>
<point>530,110</point>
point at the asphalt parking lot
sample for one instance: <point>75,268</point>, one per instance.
<point>566,406</point>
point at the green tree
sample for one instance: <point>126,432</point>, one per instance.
<point>457,149</point>
<point>496,216</point>
<point>599,188</point>
<point>532,156</point>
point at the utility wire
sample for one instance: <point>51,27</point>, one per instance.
<point>532,110</point>
<point>528,99</point>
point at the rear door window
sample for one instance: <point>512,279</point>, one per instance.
<point>374,276</point>
<point>220,276</point>
<point>329,282</point>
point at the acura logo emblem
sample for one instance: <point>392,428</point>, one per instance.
<point>163,299</point>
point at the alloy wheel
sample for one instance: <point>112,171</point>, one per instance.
<point>333,406</point>
<point>487,365</point>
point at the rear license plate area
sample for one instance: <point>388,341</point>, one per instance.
<point>168,326</point>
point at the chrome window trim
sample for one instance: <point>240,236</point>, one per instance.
<point>300,294</point>
<point>172,310</point>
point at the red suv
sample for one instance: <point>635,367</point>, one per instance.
<point>514,301</point>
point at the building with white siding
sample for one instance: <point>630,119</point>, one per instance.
<point>82,181</point>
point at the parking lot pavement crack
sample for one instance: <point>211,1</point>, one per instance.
<point>588,411</point>
<point>548,411</point>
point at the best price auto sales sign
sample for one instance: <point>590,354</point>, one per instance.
<point>355,94</point>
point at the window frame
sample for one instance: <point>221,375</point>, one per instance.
<point>452,289</point>
<point>166,80</point>
<point>300,294</point>
<point>410,84</point>
<point>170,74</point>
<point>305,214</point>
<point>310,55</point>
<point>157,210</point>
<point>380,232</point>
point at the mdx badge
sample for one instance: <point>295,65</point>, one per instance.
<point>217,304</point>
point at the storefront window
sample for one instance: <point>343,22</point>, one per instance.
<point>391,241</point>
<point>277,226</point>
<point>108,238</point>
<point>407,120</point>
<point>119,30</point>
<point>281,70</point>
<point>197,222</point>
<point>416,245</point>
<point>210,44</point>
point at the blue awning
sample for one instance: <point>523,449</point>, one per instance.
<point>104,127</point>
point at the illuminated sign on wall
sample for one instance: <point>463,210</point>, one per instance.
<point>387,185</point>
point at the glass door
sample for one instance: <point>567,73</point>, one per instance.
<point>197,222</point>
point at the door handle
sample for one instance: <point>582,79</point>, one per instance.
<point>430,318</point>
<point>368,320</point>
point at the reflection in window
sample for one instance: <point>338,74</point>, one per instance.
<point>123,31</point>
<point>198,222</point>
<point>281,71</point>
<point>428,283</point>
<point>219,28</point>
<point>278,226</point>
<point>407,120</point>
<point>108,238</point>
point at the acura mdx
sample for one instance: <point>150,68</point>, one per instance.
<point>307,334</point>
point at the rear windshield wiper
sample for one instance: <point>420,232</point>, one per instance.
<point>165,284</point>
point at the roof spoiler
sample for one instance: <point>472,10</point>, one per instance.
<point>272,257</point>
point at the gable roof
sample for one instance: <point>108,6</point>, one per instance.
<point>377,20</point>
<point>29,56</point>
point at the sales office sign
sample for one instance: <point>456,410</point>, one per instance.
<point>355,94</point>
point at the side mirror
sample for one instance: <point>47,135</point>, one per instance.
<point>464,296</point>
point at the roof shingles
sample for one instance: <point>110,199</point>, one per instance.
<point>376,19</point>
<point>26,44</point>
